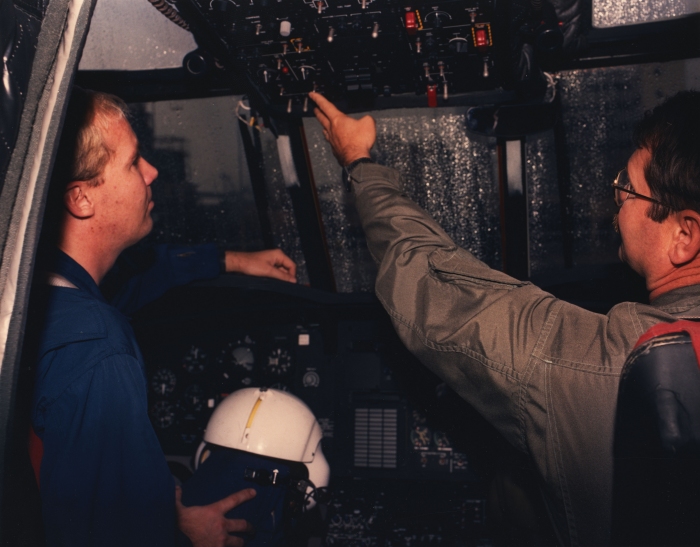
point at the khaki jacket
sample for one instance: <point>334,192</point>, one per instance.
<point>544,372</point>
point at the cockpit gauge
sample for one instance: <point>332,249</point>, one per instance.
<point>442,441</point>
<point>279,362</point>
<point>195,360</point>
<point>235,364</point>
<point>162,414</point>
<point>190,431</point>
<point>420,437</point>
<point>239,354</point>
<point>163,382</point>
<point>194,398</point>
<point>243,357</point>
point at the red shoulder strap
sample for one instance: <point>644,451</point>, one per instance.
<point>36,453</point>
<point>691,327</point>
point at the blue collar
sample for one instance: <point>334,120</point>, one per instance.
<point>71,315</point>
<point>64,265</point>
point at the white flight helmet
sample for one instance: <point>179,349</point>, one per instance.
<point>272,423</point>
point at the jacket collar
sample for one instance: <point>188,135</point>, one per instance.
<point>68,268</point>
<point>683,302</point>
<point>69,314</point>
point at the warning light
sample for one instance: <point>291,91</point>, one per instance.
<point>482,37</point>
<point>411,22</point>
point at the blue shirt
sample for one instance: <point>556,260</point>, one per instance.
<point>104,480</point>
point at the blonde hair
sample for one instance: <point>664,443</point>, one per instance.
<point>83,153</point>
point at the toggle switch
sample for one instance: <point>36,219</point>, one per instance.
<point>285,28</point>
<point>331,34</point>
<point>432,95</point>
<point>375,29</point>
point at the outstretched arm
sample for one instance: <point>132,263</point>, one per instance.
<point>270,263</point>
<point>207,526</point>
<point>474,326</point>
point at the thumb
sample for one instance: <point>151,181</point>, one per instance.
<point>178,497</point>
<point>276,272</point>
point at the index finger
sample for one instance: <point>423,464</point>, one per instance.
<point>234,500</point>
<point>326,107</point>
<point>281,273</point>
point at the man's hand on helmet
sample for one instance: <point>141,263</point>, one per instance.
<point>207,526</point>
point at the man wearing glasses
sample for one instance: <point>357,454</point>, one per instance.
<point>544,372</point>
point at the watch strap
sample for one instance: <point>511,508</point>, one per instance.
<point>347,170</point>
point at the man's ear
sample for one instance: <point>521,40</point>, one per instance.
<point>686,242</point>
<point>77,201</point>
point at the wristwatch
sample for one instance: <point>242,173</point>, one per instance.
<point>349,168</point>
<point>357,162</point>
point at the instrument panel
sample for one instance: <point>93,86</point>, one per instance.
<point>387,435</point>
<point>190,377</point>
<point>188,380</point>
<point>353,51</point>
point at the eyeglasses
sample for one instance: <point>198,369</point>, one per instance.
<point>623,184</point>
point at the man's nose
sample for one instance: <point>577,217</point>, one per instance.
<point>150,173</point>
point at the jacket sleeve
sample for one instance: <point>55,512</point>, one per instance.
<point>104,479</point>
<point>475,327</point>
<point>142,276</point>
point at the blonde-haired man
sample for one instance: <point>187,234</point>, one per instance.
<point>101,471</point>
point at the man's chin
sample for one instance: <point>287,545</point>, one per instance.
<point>147,227</point>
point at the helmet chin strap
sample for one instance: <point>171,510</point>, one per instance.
<point>265,477</point>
